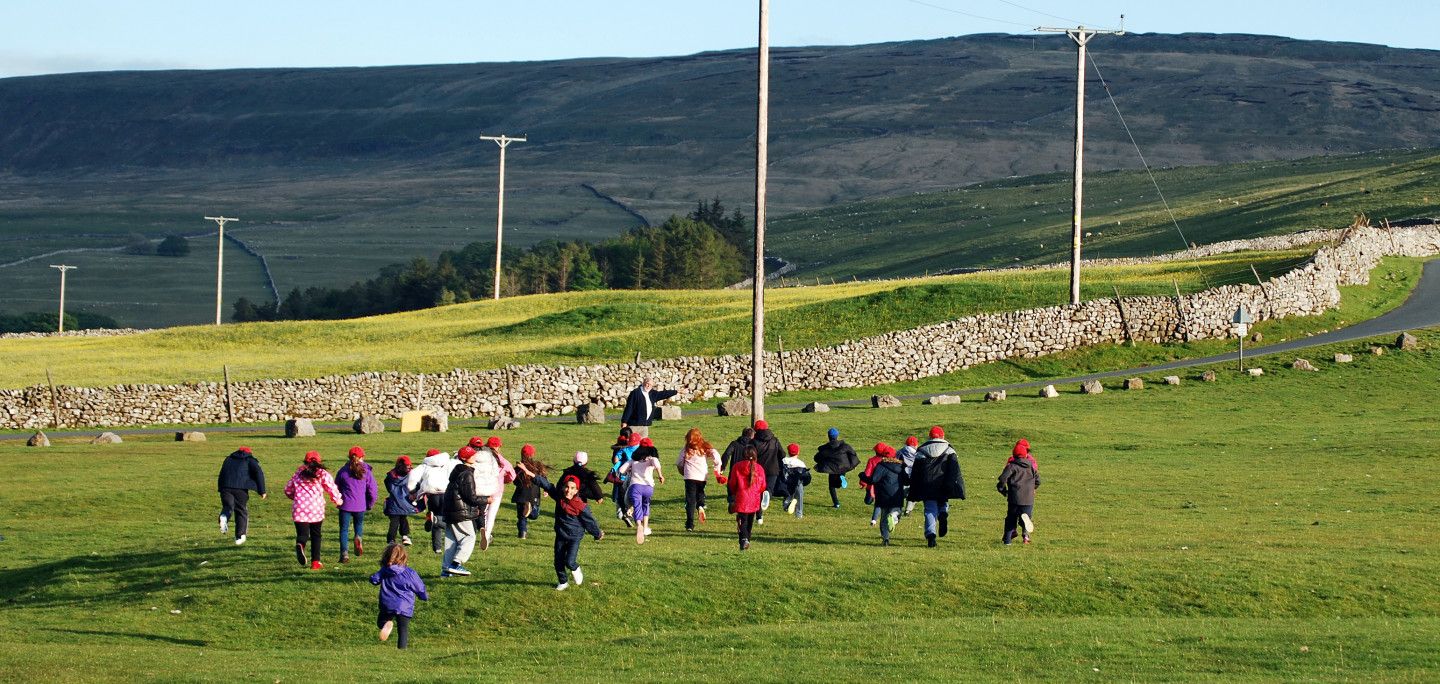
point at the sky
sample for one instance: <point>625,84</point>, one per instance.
<point>59,36</point>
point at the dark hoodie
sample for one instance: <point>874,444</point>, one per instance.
<point>241,471</point>
<point>769,453</point>
<point>835,458</point>
<point>734,453</point>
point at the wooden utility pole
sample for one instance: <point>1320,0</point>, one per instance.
<point>219,261</point>
<point>503,141</point>
<point>62,268</point>
<point>762,135</point>
<point>1081,36</point>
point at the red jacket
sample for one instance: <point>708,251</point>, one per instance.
<point>870,470</point>
<point>746,485</point>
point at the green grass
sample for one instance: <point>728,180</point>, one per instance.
<point>1027,220</point>
<point>588,327</point>
<point>1275,528</point>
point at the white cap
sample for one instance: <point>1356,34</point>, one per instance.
<point>581,458</point>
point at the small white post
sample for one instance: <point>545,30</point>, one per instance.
<point>503,141</point>
<point>62,268</point>
<point>219,261</point>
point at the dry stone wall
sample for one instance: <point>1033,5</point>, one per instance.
<point>527,391</point>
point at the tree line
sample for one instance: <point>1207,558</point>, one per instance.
<point>701,250</point>
<point>35,321</point>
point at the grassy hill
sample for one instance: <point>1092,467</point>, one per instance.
<point>336,172</point>
<point>1278,528</point>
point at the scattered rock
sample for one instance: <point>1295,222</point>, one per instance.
<point>502,423</point>
<point>997,395</point>
<point>1256,372</point>
<point>368,425</point>
<point>1208,376</point>
<point>107,438</point>
<point>943,399</point>
<point>816,407</point>
<point>1407,342</point>
<point>1303,365</point>
<point>590,414</point>
<point>1134,384</point>
<point>1172,379</point>
<point>299,427</point>
<point>189,436</point>
<point>436,420</point>
<point>739,406</point>
<point>884,401</point>
<point>1377,351</point>
<point>1344,358</point>
<point>38,440</point>
<point>1257,338</point>
<point>671,413</point>
<point>1092,387</point>
<point>1049,392</point>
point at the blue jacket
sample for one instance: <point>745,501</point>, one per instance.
<point>398,503</point>
<point>399,586</point>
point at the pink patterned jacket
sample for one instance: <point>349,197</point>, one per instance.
<point>309,496</point>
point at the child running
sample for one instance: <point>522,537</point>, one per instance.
<point>797,477</point>
<point>747,486</point>
<point>572,521</point>
<point>527,495</point>
<point>399,587</point>
<point>887,480</point>
<point>697,457</point>
<point>642,469</point>
<point>308,488</point>
<point>1018,482</point>
<point>398,507</point>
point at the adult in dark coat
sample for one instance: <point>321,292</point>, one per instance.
<point>887,480</point>
<point>239,474</point>
<point>934,480</point>
<point>1018,482</point>
<point>835,458</point>
<point>641,407</point>
<point>768,454</point>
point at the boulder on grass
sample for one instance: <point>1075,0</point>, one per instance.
<point>1377,351</point>
<point>1407,342</point>
<point>1303,365</point>
<point>502,423</point>
<point>1092,387</point>
<point>38,440</point>
<point>590,414</point>
<point>884,401</point>
<point>816,407</point>
<point>1208,376</point>
<point>1172,379</point>
<point>299,427</point>
<point>190,436</point>
<point>1256,372</point>
<point>435,420</point>
<point>1257,338</point>
<point>671,413</point>
<point>107,438</point>
<point>739,406</point>
<point>367,424</point>
<point>1344,358</point>
<point>943,399</point>
<point>1049,392</point>
<point>1134,384</point>
<point>997,395</point>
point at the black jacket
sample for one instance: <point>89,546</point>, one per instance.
<point>936,475</point>
<point>634,413</point>
<point>1018,482</point>
<point>835,457</point>
<point>889,480</point>
<point>769,454</point>
<point>241,470</point>
<point>734,453</point>
<point>589,482</point>
<point>462,502</point>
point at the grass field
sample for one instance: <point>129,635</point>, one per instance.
<point>581,328</point>
<point>1276,528</point>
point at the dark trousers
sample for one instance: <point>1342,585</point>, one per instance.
<point>744,523</point>
<point>522,518</point>
<point>436,503</point>
<point>402,627</point>
<point>307,533</point>
<point>694,498</point>
<point>398,524</point>
<point>1012,519</point>
<point>834,490</point>
<point>235,505</point>
<point>567,557</point>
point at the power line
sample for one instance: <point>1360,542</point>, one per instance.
<point>968,14</point>
<point>1043,14</point>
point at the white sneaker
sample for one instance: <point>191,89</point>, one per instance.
<point>1029,525</point>
<point>240,540</point>
<point>562,586</point>
<point>405,541</point>
<point>765,501</point>
<point>873,522</point>
<point>224,524</point>
<point>578,575</point>
<point>648,532</point>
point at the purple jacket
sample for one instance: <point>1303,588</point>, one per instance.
<point>399,585</point>
<point>358,495</point>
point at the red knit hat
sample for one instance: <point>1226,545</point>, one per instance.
<point>645,442</point>
<point>493,443</point>
<point>937,432</point>
<point>883,449</point>
<point>466,452</point>
<point>433,452</point>
<point>527,450</point>
<point>244,449</point>
<point>793,449</point>
<point>312,457</point>
<point>761,425</point>
<point>911,441</point>
<point>403,459</point>
<point>1022,448</point>
<point>477,442</point>
<point>635,440</point>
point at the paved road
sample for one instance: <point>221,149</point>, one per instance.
<point>1420,310</point>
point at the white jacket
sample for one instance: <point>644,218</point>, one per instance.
<point>432,476</point>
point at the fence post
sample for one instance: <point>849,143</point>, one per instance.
<point>1125,322</point>
<point>783,383</point>
<point>1180,312</point>
<point>54,402</point>
<point>229,399</point>
<point>1268,304</point>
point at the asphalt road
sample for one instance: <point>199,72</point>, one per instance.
<point>1420,310</point>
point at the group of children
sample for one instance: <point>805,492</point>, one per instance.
<point>457,494</point>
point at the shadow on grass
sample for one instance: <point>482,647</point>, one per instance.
<point>147,637</point>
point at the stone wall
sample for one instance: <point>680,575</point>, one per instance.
<point>525,391</point>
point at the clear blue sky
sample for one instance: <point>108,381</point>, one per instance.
<point>53,36</point>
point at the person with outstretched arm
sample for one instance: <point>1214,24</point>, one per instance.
<point>641,407</point>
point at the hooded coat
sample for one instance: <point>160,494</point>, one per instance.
<point>887,481</point>
<point>835,457</point>
<point>400,585</point>
<point>462,500</point>
<point>936,474</point>
<point>746,483</point>
<point>735,452</point>
<point>589,482</point>
<point>768,453</point>
<point>398,501</point>
<point>241,470</point>
<point>1020,478</point>
<point>361,492</point>
<point>432,476</point>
